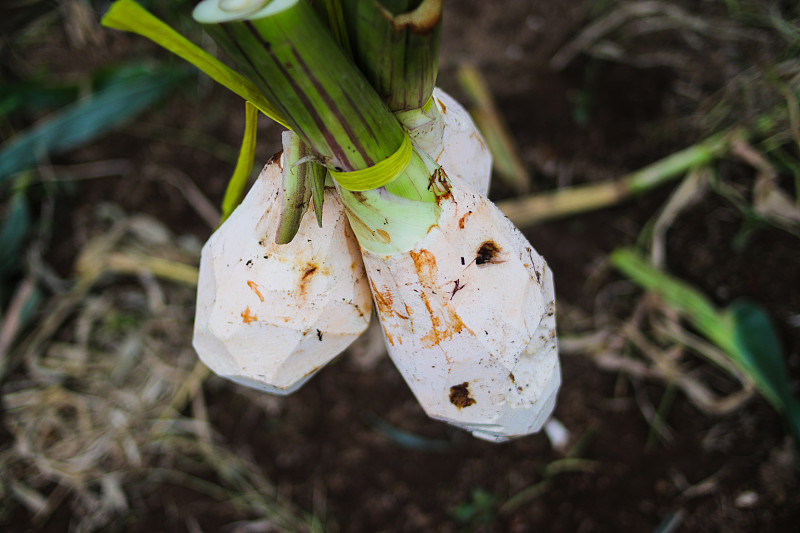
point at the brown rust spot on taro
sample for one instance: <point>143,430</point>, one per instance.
<point>384,235</point>
<point>389,338</point>
<point>463,219</point>
<point>383,300</point>
<point>425,264</point>
<point>444,107</point>
<point>308,273</point>
<point>248,317</point>
<point>460,397</point>
<point>442,327</point>
<point>254,287</point>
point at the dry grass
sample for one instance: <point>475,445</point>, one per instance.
<point>105,404</point>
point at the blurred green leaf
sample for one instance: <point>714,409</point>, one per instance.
<point>406,439</point>
<point>34,96</point>
<point>761,352</point>
<point>481,510</point>
<point>87,119</point>
<point>13,230</point>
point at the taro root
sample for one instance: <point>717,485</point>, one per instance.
<point>469,319</point>
<point>269,315</point>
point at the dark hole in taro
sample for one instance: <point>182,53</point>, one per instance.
<point>459,395</point>
<point>487,253</point>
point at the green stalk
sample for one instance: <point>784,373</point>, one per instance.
<point>293,59</point>
<point>538,208</point>
<point>395,43</point>
<point>296,188</point>
<point>330,11</point>
<point>287,51</point>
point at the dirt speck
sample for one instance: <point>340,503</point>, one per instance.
<point>460,397</point>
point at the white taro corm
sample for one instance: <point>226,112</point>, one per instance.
<point>469,320</point>
<point>268,315</point>
<point>455,130</point>
<point>461,136</point>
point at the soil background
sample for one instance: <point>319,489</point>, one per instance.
<point>327,447</point>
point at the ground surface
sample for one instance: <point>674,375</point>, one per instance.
<point>333,448</point>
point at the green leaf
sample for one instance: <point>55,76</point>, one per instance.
<point>127,15</point>
<point>743,331</point>
<point>317,178</point>
<point>241,174</point>
<point>86,120</point>
<point>760,350</point>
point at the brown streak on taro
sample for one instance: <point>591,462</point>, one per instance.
<point>425,264</point>
<point>247,316</point>
<point>389,338</point>
<point>442,330</point>
<point>308,273</point>
<point>463,219</point>
<point>384,301</point>
<point>254,287</point>
<point>460,397</point>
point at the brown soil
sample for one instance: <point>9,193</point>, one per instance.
<point>330,441</point>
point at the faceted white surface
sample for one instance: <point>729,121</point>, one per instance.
<point>461,137</point>
<point>469,320</point>
<point>269,316</point>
